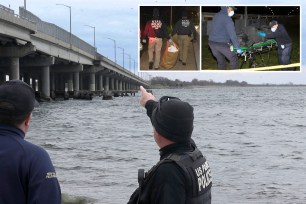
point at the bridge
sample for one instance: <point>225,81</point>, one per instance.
<point>52,60</point>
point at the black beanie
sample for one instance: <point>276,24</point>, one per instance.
<point>174,120</point>
<point>184,14</point>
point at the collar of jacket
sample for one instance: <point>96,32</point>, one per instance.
<point>175,148</point>
<point>9,130</point>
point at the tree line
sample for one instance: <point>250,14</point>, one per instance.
<point>165,82</point>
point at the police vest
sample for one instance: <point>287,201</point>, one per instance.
<point>197,173</point>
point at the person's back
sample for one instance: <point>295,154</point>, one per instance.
<point>223,29</point>
<point>26,171</point>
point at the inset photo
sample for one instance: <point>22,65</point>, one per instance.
<point>251,38</point>
<point>169,38</point>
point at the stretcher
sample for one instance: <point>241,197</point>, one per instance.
<point>250,53</point>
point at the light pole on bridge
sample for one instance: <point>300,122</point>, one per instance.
<point>94,28</point>
<point>70,21</point>
<point>122,55</point>
<point>114,48</point>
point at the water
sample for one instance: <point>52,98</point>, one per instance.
<point>253,137</point>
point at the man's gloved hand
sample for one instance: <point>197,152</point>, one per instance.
<point>262,34</point>
<point>144,41</point>
<point>239,51</point>
<point>170,40</point>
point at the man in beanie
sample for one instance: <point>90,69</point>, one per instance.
<point>182,175</point>
<point>155,30</point>
<point>185,31</point>
<point>283,40</point>
<point>26,171</point>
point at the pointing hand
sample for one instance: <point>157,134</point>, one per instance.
<point>145,96</point>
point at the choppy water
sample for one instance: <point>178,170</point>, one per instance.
<point>254,139</point>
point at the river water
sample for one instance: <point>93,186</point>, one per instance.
<point>253,137</point>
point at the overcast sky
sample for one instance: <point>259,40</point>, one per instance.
<point>118,19</point>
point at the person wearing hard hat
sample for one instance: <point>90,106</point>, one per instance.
<point>284,42</point>
<point>155,30</point>
<point>221,35</point>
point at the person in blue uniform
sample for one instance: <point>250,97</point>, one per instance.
<point>182,175</point>
<point>284,42</point>
<point>221,35</point>
<point>26,172</point>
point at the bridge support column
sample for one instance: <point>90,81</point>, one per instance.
<point>34,84</point>
<point>117,85</point>
<point>70,81</point>
<point>76,81</point>
<point>45,82</point>
<point>120,85</point>
<point>14,67</point>
<point>27,79</point>
<point>100,87</point>
<point>92,82</point>
<point>106,86</point>
<point>2,77</point>
<point>112,84</point>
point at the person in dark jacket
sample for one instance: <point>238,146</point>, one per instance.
<point>283,40</point>
<point>221,35</point>
<point>155,31</point>
<point>26,172</point>
<point>185,31</point>
<point>182,175</point>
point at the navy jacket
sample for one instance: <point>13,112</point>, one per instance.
<point>27,175</point>
<point>223,29</point>
<point>281,36</point>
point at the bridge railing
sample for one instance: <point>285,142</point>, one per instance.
<point>57,32</point>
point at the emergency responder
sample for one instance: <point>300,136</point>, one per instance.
<point>221,35</point>
<point>283,40</point>
<point>186,32</point>
<point>155,30</point>
<point>182,175</point>
<point>26,171</point>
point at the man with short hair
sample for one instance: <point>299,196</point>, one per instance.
<point>26,172</point>
<point>182,175</point>
<point>221,35</point>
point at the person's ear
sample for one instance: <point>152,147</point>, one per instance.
<point>28,120</point>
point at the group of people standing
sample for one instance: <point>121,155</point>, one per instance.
<point>156,30</point>
<point>223,34</point>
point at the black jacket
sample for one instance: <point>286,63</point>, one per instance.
<point>184,27</point>
<point>166,182</point>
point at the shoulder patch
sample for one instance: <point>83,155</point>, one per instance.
<point>51,175</point>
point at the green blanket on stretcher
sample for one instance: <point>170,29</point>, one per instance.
<point>257,45</point>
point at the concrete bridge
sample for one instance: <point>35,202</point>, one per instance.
<point>53,60</point>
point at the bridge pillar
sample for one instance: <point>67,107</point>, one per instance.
<point>52,81</point>
<point>81,81</point>
<point>27,79</point>
<point>92,82</point>
<point>106,86</point>
<point>45,82</point>
<point>100,87</point>
<point>14,67</point>
<point>2,77</point>
<point>120,85</point>
<point>34,84</point>
<point>112,85</point>
<point>76,81</point>
<point>70,81</point>
<point>117,85</point>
